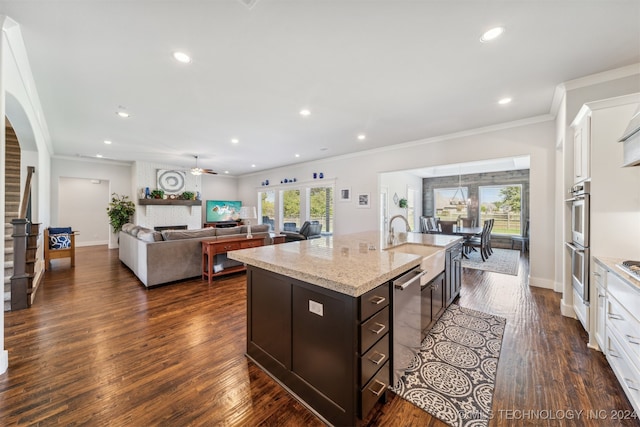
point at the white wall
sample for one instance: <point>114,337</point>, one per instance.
<point>82,205</point>
<point>118,175</point>
<point>359,171</point>
<point>398,183</point>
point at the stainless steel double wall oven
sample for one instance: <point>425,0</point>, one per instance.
<point>579,244</point>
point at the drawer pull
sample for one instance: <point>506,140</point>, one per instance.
<point>377,300</point>
<point>633,340</point>
<point>380,358</point>
<point>382,385</point>
<point>615,317</point>
<point>631,384</point>
<point>381,328</point>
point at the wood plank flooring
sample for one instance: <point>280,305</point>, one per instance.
<point>97,348</point>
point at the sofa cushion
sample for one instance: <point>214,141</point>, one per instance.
<point>128,227</point>
<point>150,236</point>
<point>188,234</point>
<point>59,230</point>
<point>228,231</point>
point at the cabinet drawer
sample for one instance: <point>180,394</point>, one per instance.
<point>627,374</point>
<point>373,301</point>
<point>250,244</point>
<point>374,329</point>
<point>373,359</point>
<point>626,328</point>
<point>623,292</point>
<point>600,274</point>
<point>374,390</point>
<point>226,247</point>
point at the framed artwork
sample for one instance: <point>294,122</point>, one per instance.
<point>364,200</point>
<point>345,195</point>
<point>171,181</point>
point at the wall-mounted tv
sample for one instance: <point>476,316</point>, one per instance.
<point>223,210</point>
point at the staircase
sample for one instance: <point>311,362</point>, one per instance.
<point>12,206</point>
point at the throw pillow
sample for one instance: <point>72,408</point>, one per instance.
<point>59,241</point>
<point>59,230</point>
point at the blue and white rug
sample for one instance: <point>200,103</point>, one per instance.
<point>453,376</point>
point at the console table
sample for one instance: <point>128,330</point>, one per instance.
<point>211,248</point>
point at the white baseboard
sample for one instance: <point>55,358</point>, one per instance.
<point>539,282</point>
<point>567,309</point>
<point>4,361</point>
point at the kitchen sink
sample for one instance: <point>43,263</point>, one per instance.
<point>433,257</point>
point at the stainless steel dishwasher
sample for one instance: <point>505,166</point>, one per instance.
<point>406,320</point>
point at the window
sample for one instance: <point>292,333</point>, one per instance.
<point>291,220</point>
<point>503,204</point>
<point>447,203</point>
<point>267,208</point>
<point>321,207</point>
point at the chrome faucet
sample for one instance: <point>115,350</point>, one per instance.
<point>391,235</point>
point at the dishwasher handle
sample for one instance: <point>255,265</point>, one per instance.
<point>408,279</point>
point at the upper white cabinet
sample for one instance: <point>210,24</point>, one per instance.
<point>581,148</point>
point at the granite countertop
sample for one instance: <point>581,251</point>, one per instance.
<point>611,265</point>
<point>351,264</point>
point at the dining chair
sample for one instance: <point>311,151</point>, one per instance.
<point>468,222</point>
<point>489,248</point>
<point>59,242</point>
<point>482,242</point>
<point>446,227</point>
<point>523,239</point>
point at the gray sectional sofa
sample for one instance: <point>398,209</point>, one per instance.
<point>158,257</point>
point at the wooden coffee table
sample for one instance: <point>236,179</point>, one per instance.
<point>211,248</point>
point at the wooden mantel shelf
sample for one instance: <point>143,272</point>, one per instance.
<point>169,202</point>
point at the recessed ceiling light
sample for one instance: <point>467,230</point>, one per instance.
<point>297,155</point>
<point>123,114</point>
<point>106,141</point>
<point>362,137</point>
<point>99,155</point>
<point>235,140</point>
<point>226,171</point>
<point>492,34</point>
<point>182,57</point>
<point>304,112</point>
<point>253,166</point>
<point>504,101</point>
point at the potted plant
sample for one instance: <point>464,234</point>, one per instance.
<point>157,194</point>
<point>188,195</point>
<point>120,211</point>
<point>402,203</point>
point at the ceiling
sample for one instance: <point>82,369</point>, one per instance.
<point>393,70</point>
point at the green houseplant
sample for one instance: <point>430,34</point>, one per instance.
<point>120,211</point>
<point>157,194</point>
<point>402,203</point>
<point>188,195</point>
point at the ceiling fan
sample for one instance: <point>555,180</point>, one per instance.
<point>199,171</point>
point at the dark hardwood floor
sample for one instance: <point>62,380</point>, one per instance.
<point>97,348</point>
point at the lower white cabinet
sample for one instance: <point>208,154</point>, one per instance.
<point>622,335</point>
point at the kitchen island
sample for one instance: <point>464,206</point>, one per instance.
<point>319,316</point>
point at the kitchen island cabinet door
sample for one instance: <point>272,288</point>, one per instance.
<point>323,346</point>
<point>269,320</point>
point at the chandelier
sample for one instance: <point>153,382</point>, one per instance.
<point>461,199</point>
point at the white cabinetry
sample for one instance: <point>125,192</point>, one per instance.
<point>623,336</point>
<point>600,276</point>
<point>581,148</point>
<point>620,338</point>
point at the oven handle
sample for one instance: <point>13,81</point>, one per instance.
<point>573,247</point>
<point>575,199</point>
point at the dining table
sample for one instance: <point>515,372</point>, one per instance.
<point>467,233</point>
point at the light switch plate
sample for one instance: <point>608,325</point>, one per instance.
<point>316,308</point>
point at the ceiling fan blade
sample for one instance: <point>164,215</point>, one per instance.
<point>210,171</point>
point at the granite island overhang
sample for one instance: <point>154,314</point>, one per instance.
<point>351,264</point>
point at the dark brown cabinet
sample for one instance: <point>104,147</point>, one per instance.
<point>330,349</point>
<point>432,302</point>
<point>453,273</point>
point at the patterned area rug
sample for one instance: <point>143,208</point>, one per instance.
<point>505,261</point>
<point>453,376</point>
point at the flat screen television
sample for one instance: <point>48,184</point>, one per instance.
<point>223,210</point>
